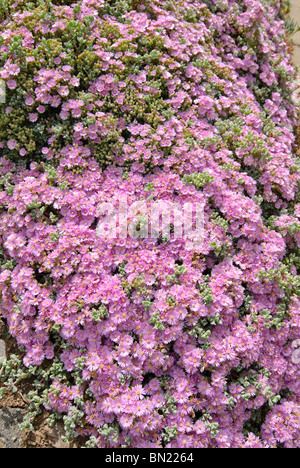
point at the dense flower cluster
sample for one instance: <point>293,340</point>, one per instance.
<point>146,342</point>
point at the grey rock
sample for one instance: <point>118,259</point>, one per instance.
<point>295,15</point>
<point>10,431</point>
<point>2,351</point>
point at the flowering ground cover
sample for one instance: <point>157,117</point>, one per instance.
<point>151,342</point>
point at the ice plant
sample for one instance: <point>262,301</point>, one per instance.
<point>146,342</point>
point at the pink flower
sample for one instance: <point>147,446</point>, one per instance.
<point>4,74</point>
<point>125,421</point>
<point>55,101</point>
<point>11,84</point>
<point>29,101</point>
<point>93,363</point>
<point>74,82</point>
<point>14,69</point>
<point>33,117</point>
<point>12,144</point>
<point>63,91</point>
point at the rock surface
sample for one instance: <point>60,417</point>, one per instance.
<point>295,15</point>
<point>2,351</point>
<point>10,432</point>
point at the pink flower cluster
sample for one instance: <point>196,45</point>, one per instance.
<point>160,345</point>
